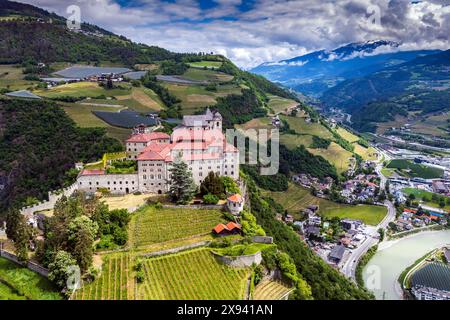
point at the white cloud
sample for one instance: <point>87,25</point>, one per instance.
<point>272,30</point>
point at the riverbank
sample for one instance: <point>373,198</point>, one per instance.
<point>394,256</point>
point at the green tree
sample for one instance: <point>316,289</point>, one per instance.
<point>20,232</point>
<point>82,233</point>
<point>212,185</point>
<point>182,187</point>
<point>59,268</point>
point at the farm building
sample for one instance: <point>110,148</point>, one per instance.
<point>227,229</point>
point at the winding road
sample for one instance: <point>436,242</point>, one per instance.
<point>349,267</point>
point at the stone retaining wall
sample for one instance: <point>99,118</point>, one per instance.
<point>177,249</point>
<point>240,261</point>
<point>30,265</point>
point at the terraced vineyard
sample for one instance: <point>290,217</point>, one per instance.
<point>270,290</point>
<point>116,281</point>
<point>150,225</point>
<point>193,274</point>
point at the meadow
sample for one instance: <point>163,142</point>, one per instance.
<point>297,198</point>
<point>415,170</point>
<point>83,89</point>
<point>204,63</point>
<point>150,225</point>
<point>422,194</point>
<point>11,77</point>
<point>193,274</point>
<point>206,75</point>
<point>279,104</point>
<point>196,97</point>
<point>26,283</point>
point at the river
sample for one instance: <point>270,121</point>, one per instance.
<point>381,273</point>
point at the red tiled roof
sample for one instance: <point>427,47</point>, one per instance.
<point>230,226</point>
<point>219,228</point>
<point>90,172</point>
<point>146,137</point>
<point>235,198</point>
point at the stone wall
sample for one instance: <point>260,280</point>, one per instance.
<point>115,183</point>
<point>53,197</point>
<point>30,265</point>
<point>262,239</point>
<point>240,261</point>
<point>177,249</point>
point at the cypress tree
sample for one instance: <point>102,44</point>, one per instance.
<point>182,186</point>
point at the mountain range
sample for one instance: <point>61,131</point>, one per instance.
<point>372,81</point>
<point>314,73</point>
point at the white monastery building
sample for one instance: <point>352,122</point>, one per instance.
<point>198,140</point>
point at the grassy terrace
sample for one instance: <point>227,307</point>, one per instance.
<point>270,290</point>
<point>196,97</point>
<point>193,274</point>
<point>22,283</point>
<point>83,89</point>
<point>297,198</point>
<point>150,225</point>
<point>279,104</point>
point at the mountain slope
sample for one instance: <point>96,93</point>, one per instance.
<point>314,73</point>
<point>421,86</point>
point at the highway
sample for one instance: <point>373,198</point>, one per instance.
<point>349,267</point>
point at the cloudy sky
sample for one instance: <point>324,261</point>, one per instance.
<point>256,31</point>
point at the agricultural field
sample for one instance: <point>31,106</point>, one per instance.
<point>192,275</point>
<point>150,225</point>
<point>300,126</point>
<point>412,169</point>
<point>365,153</point>
<point>422,194</point>
<point>336,155</point>
<point>196,97</point>
<point>292,141</point>
<point>207,64</point>
<point>26,283</point>
<point>11,77</point>
<point>83,89</point>
<point>83,115</point>
<point>279,104</point>
<point>297,198</point>
<point>206,75</point>
<point>116,281</point>
<point>370,215</point>
<point>270,290</point>
<point>347,135</point>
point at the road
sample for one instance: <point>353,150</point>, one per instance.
<point>349,267</point>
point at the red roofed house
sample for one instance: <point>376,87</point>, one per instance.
<point>227,229</point>
<point>235,204</point>
<point>198,140</point>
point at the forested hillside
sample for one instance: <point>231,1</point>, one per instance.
<point>421,85</point>
<point>39,143</point>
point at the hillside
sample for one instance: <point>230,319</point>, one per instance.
<point>37,136</point>
<point>314,73</point>
<point>420,87</point>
